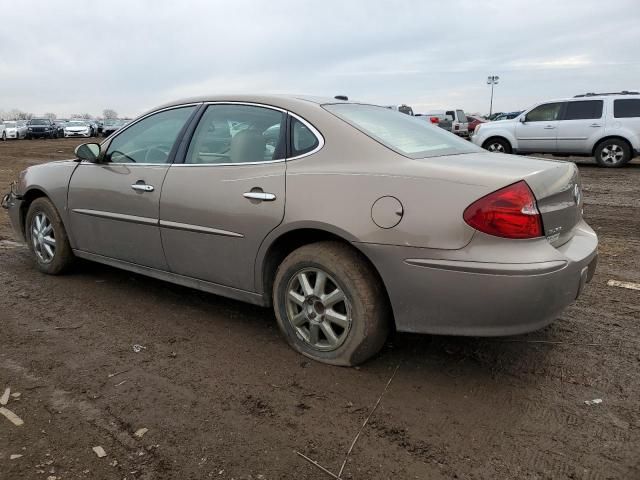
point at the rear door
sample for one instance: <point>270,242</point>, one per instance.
<point>226,195</point>
<point>538,131</point>
<point>581,123</point>
<point>114,204</point>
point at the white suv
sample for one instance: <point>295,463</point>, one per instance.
<point>603,125</point>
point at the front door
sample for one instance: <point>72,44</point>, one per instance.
<point>114,203</point>
<point>538,131</point>
<point>227,195</point>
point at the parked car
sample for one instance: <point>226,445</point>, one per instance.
<point>507,116</point>
<point>406,109</point>
<point>60,124</point>
<point>41,128</point>
<point>77,128</point>
<point>359,220</point>
<point>606,126</point>
<point>94,127</point>
<point>473,122</point>
<point>13,129</point>
<point>494,115</point>
<point>111,125</point>
<point>454,121</point>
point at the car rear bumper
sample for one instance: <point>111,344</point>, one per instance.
<point>483,298</point>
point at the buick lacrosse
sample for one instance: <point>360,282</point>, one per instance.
<point>349,219</point>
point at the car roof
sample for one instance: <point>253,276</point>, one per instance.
<point>277,100</point>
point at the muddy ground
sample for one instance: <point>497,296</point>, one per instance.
<point>223,397</point>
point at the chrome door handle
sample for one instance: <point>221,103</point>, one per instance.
<point>264,196</point>
<point>595,125</point>
<point>549,127</point>
<point>141,187</point>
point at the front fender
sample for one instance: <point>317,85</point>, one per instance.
<point>50,180</point>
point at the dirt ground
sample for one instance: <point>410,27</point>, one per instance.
<point>223,397</point>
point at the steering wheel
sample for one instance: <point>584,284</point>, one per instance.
<point>163,149</point>
<point>124,155</point>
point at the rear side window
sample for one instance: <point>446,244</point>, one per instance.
<point>461,116</point>
<point>303,139</point>
<point>589,109</point>
<point>626,108</point>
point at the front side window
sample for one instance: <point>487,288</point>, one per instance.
<point>303,139</point>
<point>584,110</point>
<point>626,108</point>
<point>150,140</point>
<point>544,113</point>
<point>406,135</point>
<point>238,134</point>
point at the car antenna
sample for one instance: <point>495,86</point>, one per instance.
<point>341,97</point>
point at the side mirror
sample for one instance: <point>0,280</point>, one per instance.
<point>523,119</point>
<point>88,151</point>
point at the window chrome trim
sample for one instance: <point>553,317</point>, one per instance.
<point>146,115</point>
<point>313,130</point>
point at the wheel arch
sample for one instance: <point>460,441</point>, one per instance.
<point>612,137</point>
<point>498,136</point>
<point>27,199</point>
<point>278,245</point>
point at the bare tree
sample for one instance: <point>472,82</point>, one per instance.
<point>109,113</point>
<point>15,114</point>
<point>50,116</point>
<point>85,116</point>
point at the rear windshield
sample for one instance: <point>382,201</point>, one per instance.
<point>409,136</point>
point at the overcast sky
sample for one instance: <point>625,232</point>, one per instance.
<point>73,57</point>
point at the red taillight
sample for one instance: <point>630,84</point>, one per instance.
<point>510,212</point>
<point>434,120</point>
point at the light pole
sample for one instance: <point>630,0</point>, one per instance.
<point>492,80</point>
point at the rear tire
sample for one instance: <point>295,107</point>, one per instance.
<point>613,153</point>
<point>348,309</point>
<point>47,238</point>
<point>497,145</point>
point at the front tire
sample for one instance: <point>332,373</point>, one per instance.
<point>330,304</point>
<point>613,153</point>
<point>47,238</point>
<point>4,136</point>
<point>497,145</point>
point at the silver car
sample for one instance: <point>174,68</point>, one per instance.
<point>349,219</point>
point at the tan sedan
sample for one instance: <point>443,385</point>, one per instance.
<point>349,219</point>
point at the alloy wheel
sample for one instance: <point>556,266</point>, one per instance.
<point>318,309</point>
<point>496,147</point>
<point>43,238</point>
<point>612,153</point>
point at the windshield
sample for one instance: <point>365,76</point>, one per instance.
<point>409,136</point>
<point>76,124</point>
<point>38,121</point>
<point>10,124</point>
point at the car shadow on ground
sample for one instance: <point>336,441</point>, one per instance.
<point>455,356</point>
